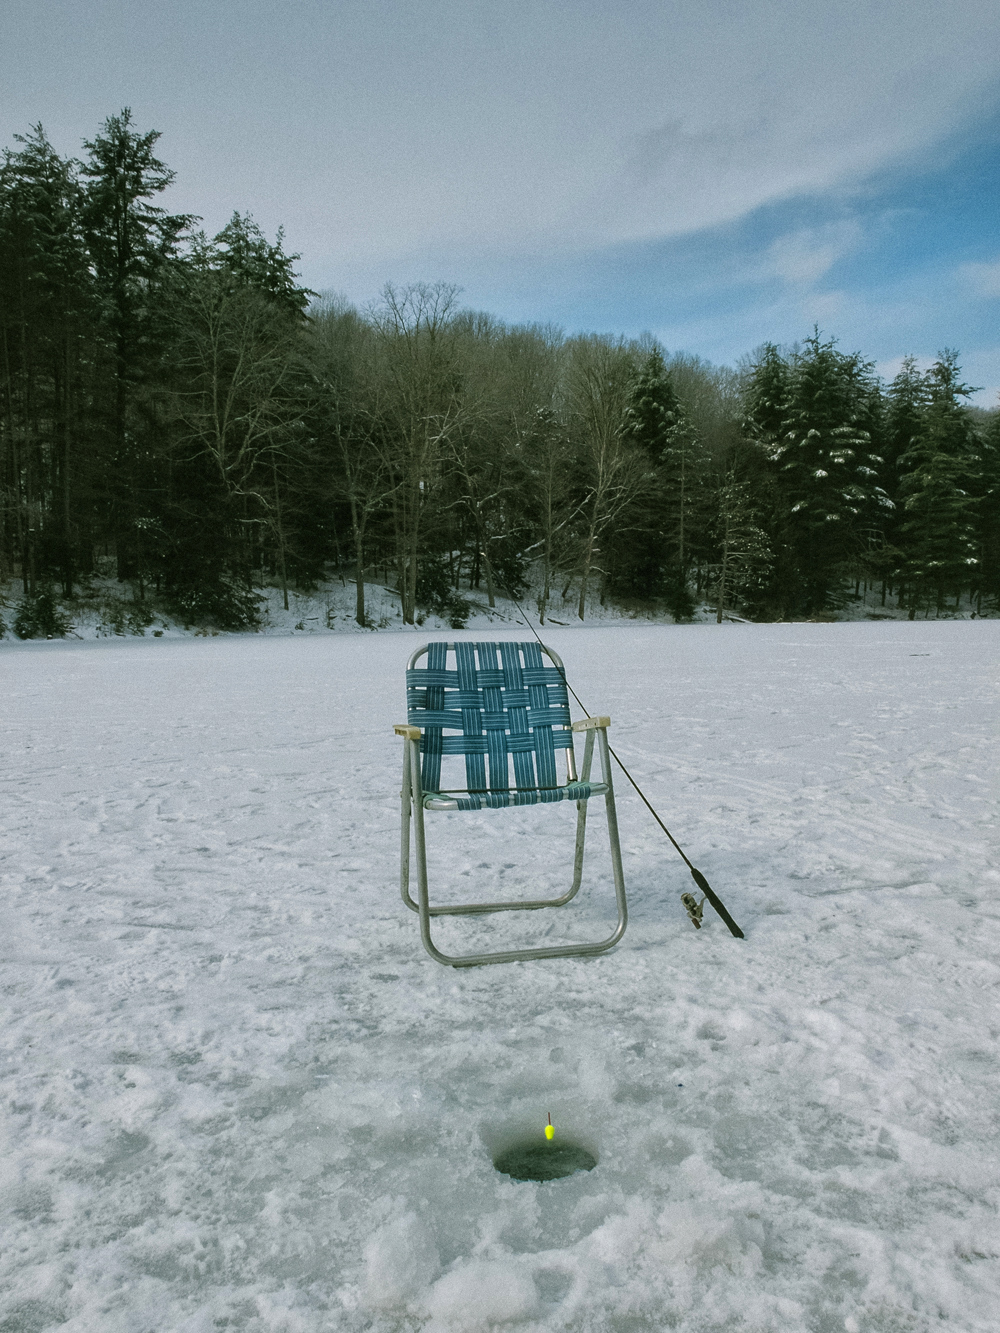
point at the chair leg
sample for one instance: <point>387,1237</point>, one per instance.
<point>413,795</point>
<point>404,851</point>
<point>411,803</point>
<point>613,838</point>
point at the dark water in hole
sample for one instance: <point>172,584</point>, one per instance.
<point>543,1159</point>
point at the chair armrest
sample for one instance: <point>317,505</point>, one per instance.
<point>411,733</point>
<point>592,724</point>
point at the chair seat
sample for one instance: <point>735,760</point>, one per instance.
<point>499,800</point>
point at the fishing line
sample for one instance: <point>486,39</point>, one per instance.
<point>693,908</point>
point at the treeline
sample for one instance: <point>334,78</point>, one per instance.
<point>180,407</point>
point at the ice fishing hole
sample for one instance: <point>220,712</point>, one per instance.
<point>538,1158</point>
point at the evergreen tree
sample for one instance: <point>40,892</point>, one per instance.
<point>874,530</point>
<point>131,242</point>
<point>907,400</point>
<point>653,410</point>
<point>938,529</point>
<point>744,564</point>
<point>243,251</point>
<point>905,405</point>
<point>767,394</point>
<point>827,468</point>
<point>656,556</point>
<point>987,493</point>
<point>636,554</point>
<point>46,319</point>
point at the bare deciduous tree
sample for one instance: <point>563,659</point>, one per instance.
<point>612,468</point>
<point>418,406</point>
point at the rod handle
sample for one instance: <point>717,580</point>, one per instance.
<point>716,902</point>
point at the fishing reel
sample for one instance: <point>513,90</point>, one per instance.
<point>694,909</point>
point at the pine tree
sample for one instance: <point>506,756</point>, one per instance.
<point>46,322</point>
<point>827,468</point>
<point>987,492</point>
<point>242,250</point>
<point>636,552</point>
<point>905,404</point>
<point>131,243</point>
<point>907,401</point>
<point>666,510</point>
<point>938,531</point>
<point>653,409</point>
<point>745,559</point>
<point>767,394</point>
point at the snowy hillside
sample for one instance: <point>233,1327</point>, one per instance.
<point>239,1095</point>
<point>101,611</point>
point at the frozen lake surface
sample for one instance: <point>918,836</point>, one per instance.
<point>237,1094</point>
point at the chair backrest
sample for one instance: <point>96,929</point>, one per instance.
<point>508,708</point>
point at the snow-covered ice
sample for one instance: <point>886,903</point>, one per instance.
<point>237,1094</point>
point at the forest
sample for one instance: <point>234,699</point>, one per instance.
<point>179,413</point>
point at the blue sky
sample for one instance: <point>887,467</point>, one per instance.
<point>906,260</point>
<point>717,172</point>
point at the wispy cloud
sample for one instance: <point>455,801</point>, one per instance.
<point>373,131</point>
<point>804,256</point>
<point>982,279</point>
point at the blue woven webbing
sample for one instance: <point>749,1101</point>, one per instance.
<point>500,702</point>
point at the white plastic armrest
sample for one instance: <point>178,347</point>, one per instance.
<point>592,724</point>
<point>411,733</point>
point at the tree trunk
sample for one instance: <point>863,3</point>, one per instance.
<point>543,601</point>
<point>721,606</point>
<point>281,534</point>
<point>409,588</point>
<point>67,529</point>
<point>680,525</point>
<point>588,557</point>
<point>359,565</point>
<point>488,570</point>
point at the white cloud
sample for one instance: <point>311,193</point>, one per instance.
<point>377,131</point>
<point>982,279</point>
<point>804,256</point>
<point>826,309</point>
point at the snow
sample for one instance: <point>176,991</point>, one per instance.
<point>237,1094</point>
<point>101,612</point>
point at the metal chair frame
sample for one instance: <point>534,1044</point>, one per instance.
<point>415,800</point>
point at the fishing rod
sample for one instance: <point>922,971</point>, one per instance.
<point>693,908</point>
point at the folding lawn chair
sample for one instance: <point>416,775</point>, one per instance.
<point>503,709</point>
